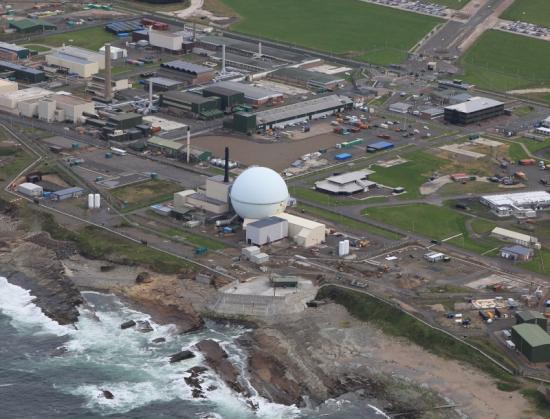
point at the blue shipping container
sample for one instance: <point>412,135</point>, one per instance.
<point>343,156</point>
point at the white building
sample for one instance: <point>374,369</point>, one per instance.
<point>80,61</point>
<point>515,237</point>
<point>306,233</point>
<point>30,189</point>
<point>63,108</point>
<point>116,53</point>
<point>543,131</point>
<point>7,86</point>
<point>10,100</point>
<point>266,231</point>
<point>400,107</point>
<point>347,183</point>
<point>519,204</point>
<point>166,40</point>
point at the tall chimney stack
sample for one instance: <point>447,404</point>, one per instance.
<point>223,59</point>
<point>226,168</point>
<point>259,49</point>
<point>150,95</point>
<point>108,74</point>
<point>188,144</point>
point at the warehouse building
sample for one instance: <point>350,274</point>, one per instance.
<point>229,98</point>
<point>474,110</point>
<point>199,106</point>
<point>166,40</point>
<point>400,107</point>
<point>347,183</point>
<point>26,74</point>
<point>61,195</point>
<point>312,80</point>
<point>532,341</point>
<point>21,53</point>
<point>30,189</point>
<point>519,204</point>
<point>122,27</point>
<point>297,112</point>
<point>514,237</point>
<point>163,84</point>
<point>266,231</point>
<point>32,25</point>
<point>304,232</point>
<point>193,74</point>
<point>11,100</point>
<point>76,60</point>
<point>63,108</point>
<point>379,146</point>
<point>168,148</point>
<point>517,253</point>
<point>254,95</point>
<point>532,317</point>
<point>125,121</point>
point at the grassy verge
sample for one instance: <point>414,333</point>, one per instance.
<point>352,28</point>
<point>12,161</point>
<point>350,223</point>
<point>89,38</point>
<point>394,322</point>
<point>537,399</point>
<point>457,188</point>
<point>540,263</point>
<point>95,243</point>
<point>195,239</point>
<point>319,197</point>
<point>532,11</point>
<point>489,64</point>
<point>39,48</point>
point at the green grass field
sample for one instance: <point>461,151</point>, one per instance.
<point>351,28</point>
<point>533,11</point>
<point>489,63</point>
<point>355,225</point>
<point>89,38</point>
<point>38,48</point>
<point>145,193</point>
<point>540,263</point>
<point>452,4</point>
<point>410,175</point>
<point>433,222</point>
<point>320,197</point>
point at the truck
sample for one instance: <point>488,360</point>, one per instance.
<point>520,175</point>
<point>527,162</point>
<point>483,315</point>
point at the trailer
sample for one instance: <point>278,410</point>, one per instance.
<point>118,151</point>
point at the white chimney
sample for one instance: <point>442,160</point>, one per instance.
<point>188,144</point>
<point>223,59</point>
<point>259,49</point>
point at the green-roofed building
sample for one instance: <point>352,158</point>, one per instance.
<point>32,25</point>
<point>167,147</point>
<point>533,317</point>
<point>532,341</point>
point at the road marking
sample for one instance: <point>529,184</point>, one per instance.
<point>452,237</point>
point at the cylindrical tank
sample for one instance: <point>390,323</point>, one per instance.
<point>97,200</point>
<point>91,200</point>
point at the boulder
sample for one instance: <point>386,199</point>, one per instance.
<point>144,326</point>
<point>128,324</point>
<point>181,356</point>
<point>143,278</point>
<point>159,340</point>
<point>107,394</point>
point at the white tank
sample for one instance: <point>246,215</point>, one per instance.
<point>259,192</point>
<point>97,200</point>
<point>91,200</point>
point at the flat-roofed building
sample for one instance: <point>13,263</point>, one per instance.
<point>76,60</point>
<point>193,74</point>
<point>514,237</point>
<point>519,204</point>
<point>474,110</point>
<point>192,103</point>
<point>8,86</point>
<point>23,73</point>
<point>10,100</point>
<point>517,253</point>
<point>305,232</point>
<point>20,52</point>
<point>254,95</point>
<point>347,183</point>
<point>266,231</point>
<point>165,40</point>
<point>313,80</point>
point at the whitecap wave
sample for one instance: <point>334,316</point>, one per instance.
<point>17,303</point>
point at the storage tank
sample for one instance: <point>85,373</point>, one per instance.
<point>97,200</point>
<point>259,192</point>
<point>90,200</point>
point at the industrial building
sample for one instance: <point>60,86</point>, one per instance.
<point>202,107</point>
<point>379,146</point>
<point>517,253</point>
<point>32,25</point>
<point>532,341</point>
<point>304,232</point>
<point>192,74</point>
<point>166,41</point>
<point>254,95</point>
<point>312,80</point>
<point>27,74</point>
<point>169,148</point>
<point>125,120</point>
<point>400,107</point>
<point>474,110</point>
<point>96,86</point>
<point>514,237</point>
<point>8,51</point>
<point>125,26</point>
<point>297,112</point>
<point>532,317</point>
<point>215,198</point>
<point>347,183</point>
<point>432,113</point>
<point>229,98</point>
<point>116,53</point>
<point>266,231</point>
<point>163,84</point>
<point>74,192</point>
<point>76,60</point>
<point>519,204</point>
<point>30,189</point>
<point>11,101</point>
<point>63,108</point>
<point>7,86</point>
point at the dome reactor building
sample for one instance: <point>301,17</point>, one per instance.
<point>258,193</point>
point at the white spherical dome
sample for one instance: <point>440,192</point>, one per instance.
<point>259,192</point>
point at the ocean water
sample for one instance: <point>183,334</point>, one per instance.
<point>38,381</point>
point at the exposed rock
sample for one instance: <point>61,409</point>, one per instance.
<point>62,249</point>
<point>107,268</point>
<point>195,382</point>
<point>107,394</point>
<point>60,351</point>
<point>181,356</point>
<point>144,326</point>
<point>216,358</point>
<point>143,278</point>
<point>128,324</point>
<point>159,340</point>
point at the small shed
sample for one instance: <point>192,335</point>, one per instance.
<point>517,253</point>
<point>379,146</point>
<point>62,194</point>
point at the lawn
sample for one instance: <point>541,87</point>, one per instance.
<point>457,188</point>
<point>489,63</point>
<point>452,4</point>
<point>410,175</point>
<point>320,197</point>
<point>533,11</point>
<point>12,161</point>
<point>516,151</point>
<point>35,47</point>
<point>159,8</point>
<point>195,239</point>
<point>433,222</point>
<point>540,263</point>
<point>351,28</point>
<point>89,38</point>
<point>146,193</point>
<point>357,226</point>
